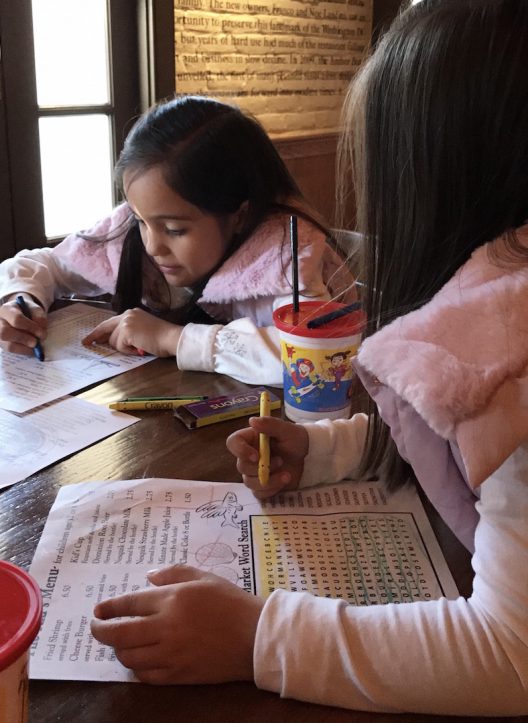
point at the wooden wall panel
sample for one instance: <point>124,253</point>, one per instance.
<point>311,161</point>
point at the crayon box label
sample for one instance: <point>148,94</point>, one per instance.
<point>218,409</point>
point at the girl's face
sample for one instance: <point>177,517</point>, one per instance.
<point>185,243</point>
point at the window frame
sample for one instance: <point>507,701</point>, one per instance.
<point>157,50</point>
<point>21,204</point>
<point>6,217</point>
<point>21,123</point>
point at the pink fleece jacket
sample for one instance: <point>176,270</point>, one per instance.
<point>460,365</point>
<point>260,267</point>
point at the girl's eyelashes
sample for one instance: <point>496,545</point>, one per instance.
<point>169,231</point>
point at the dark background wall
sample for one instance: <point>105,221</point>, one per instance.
<point>312,160</point>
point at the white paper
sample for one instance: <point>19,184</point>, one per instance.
<point>32,441</point>
<point>26,382</point>
<point>101,538</point>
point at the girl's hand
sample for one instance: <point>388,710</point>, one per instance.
<point>136,331</point>
<point>19,334</point>
<point>288,445</point>
<point>193,627</point>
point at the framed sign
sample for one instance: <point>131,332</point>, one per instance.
<point>288,62</point>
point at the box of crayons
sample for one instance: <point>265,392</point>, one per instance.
<point>218,409</point>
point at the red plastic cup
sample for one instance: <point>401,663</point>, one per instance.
<point>20,620</point>
<point>316,363</point>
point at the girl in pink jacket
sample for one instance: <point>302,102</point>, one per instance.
<point>198,256</point>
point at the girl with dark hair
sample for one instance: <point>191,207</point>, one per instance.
<point>197,257</point>
<point>436,132</point>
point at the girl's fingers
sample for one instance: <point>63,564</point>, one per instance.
<point>289,438</point>
<point>277,481</point>
<point>175,573</point>
<point>146,602</point>
<point>243,445</point>
<point>273,427</point>
<point>124,348</point>
<point>143,602</point>
<point>16,339</point>
<point>262,493</point>
<point>125,634</point>
<point>289,444</point>
<point>249,468</point>
<point>143,658</point>
<point>25,349</point>
<point>38,315</point>
<point>14,320</point>
<point>42,329</point>
<point>102,332</point>
<point>156,676</point>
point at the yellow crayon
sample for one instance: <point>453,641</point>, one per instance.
<point>264,443</point>
<point>152,404</point>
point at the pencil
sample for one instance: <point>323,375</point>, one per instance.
<point>332,315</point>
<point>264,443</point>
<point>295,262</point>
<point>152,404</point>
<point>38,351</point>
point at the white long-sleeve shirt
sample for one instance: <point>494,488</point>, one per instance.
<point>450,657</point>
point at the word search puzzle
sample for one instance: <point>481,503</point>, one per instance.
<point>365,559</point>
<point>349,541</point>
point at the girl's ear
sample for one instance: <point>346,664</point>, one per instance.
<point>240,216</point>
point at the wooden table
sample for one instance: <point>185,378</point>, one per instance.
<point>160,446</point>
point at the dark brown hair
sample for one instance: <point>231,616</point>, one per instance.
<point>436,146</point>
<point>216,157</point>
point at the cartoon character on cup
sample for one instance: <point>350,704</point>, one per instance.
<point>304,379</point>
<point>339,366</point>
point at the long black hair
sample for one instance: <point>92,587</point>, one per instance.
<point>436,145</point>
<point>214,156</point>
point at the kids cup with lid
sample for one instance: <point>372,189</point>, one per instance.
<point>317,363</point>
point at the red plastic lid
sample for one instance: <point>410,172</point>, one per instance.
<point>20,612</point>
<point>294,323</point>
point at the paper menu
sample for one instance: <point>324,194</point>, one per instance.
<point>102,537</point>
<point>26,383</point>
<point>49,433</point>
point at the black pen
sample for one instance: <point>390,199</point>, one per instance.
<point>332,315</point>
<point>38,351</point>
<point>295,262</point>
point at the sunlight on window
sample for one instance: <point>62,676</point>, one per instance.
<point>71,52</point>
<point>72,70</point>
<point>76,171</point>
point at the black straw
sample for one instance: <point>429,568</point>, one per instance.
<point>337,314</point>
<point>295,262</point>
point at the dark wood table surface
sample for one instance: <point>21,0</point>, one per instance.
<point>160,446</point>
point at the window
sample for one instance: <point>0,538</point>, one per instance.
<point>75,112</point>
<point>70,88</point>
